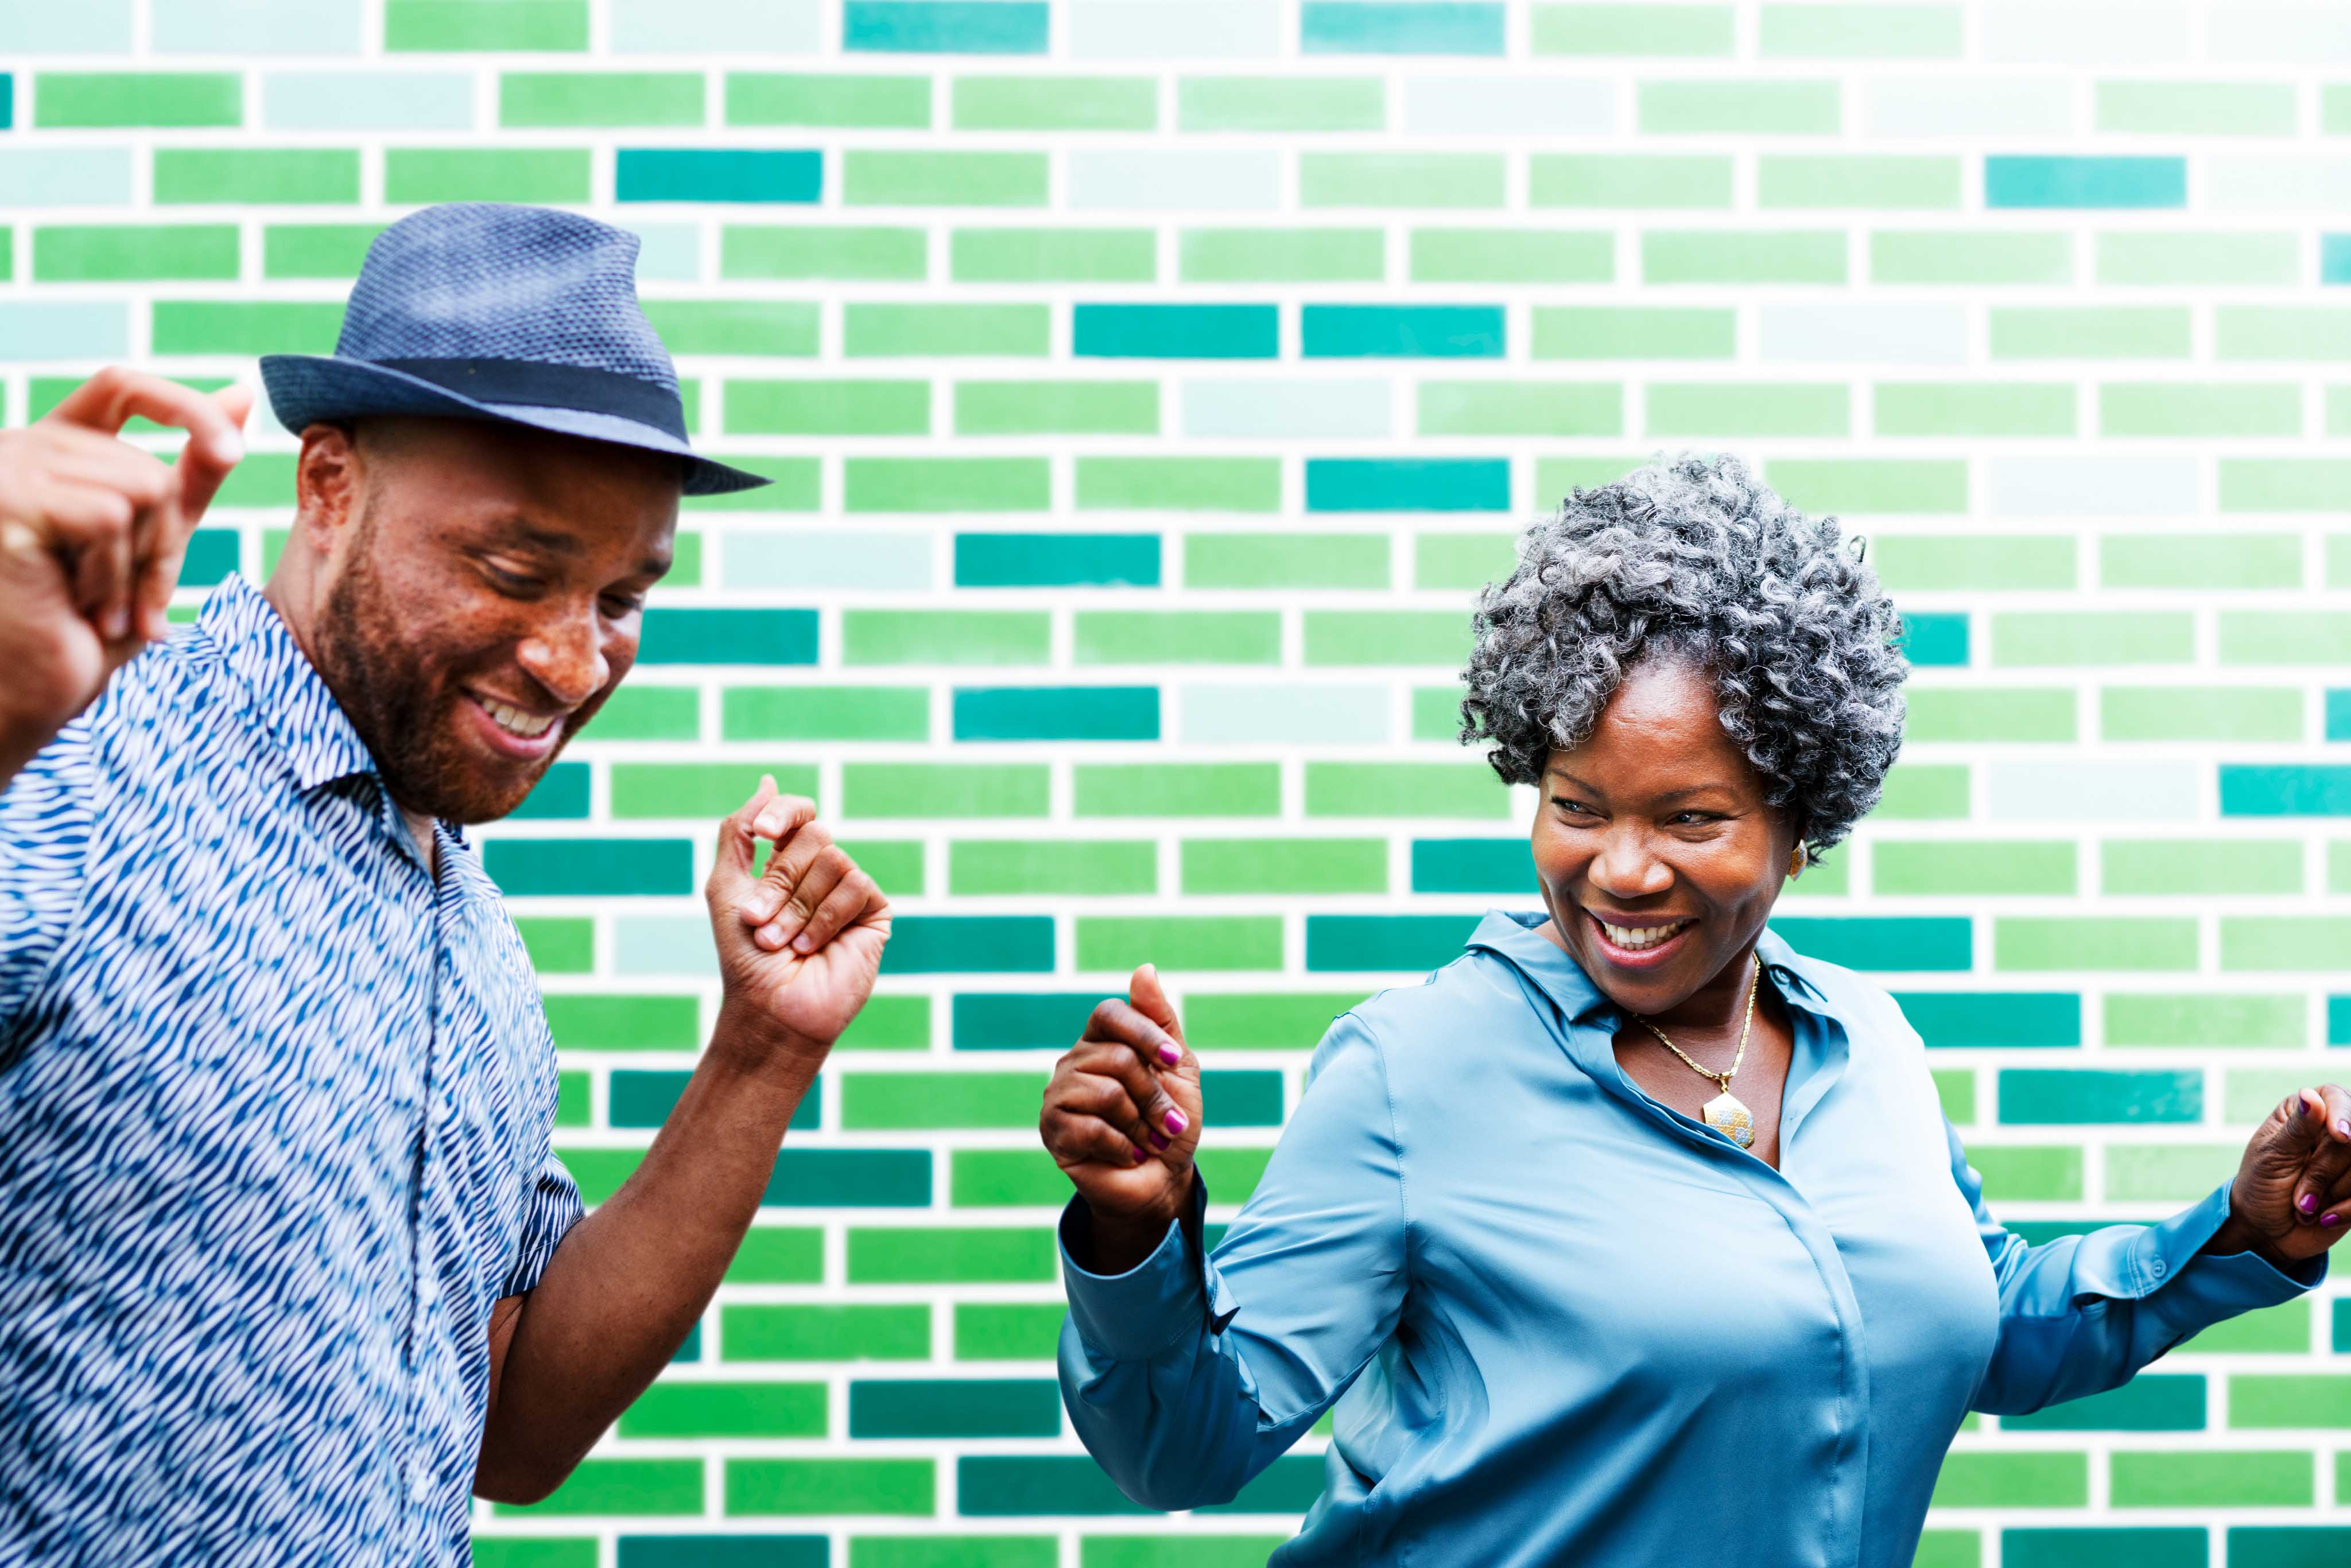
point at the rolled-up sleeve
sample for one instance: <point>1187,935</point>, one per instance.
<point>2082,1315</point>
<point>552,1208</point>
<point>1188,1373</point>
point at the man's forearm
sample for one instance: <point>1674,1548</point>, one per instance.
<point>628,1281</point>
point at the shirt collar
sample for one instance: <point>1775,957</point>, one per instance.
<point>1516,935</point>
<point>289,697</point>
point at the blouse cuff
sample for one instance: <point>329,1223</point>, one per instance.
<point>2200,1288</point>
<point>1135,1315</point>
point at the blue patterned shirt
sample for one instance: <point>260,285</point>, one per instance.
<point>275,1108</point>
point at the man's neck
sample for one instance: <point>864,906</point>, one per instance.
<point>420,828</point>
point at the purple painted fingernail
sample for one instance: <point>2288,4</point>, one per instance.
<point>1174,1122</point>
<point>1170,1055</point>
<point>1140,1157</point>
<point>2307,1203</point>
<point>2329,1221</point>
<point>2343,1129</point>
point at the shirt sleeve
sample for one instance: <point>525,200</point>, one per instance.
<point>46,825</point>
<point>1188,1375</point>
<point>551,1209</point>
<point>2082,1315</point>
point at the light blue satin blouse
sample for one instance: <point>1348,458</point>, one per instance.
<point>1564,1324</point>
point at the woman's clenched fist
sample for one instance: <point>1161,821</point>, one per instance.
<point>1121,1118</point>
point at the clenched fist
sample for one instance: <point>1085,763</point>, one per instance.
<point>92,531</point>
<point>2290,1199</point>
<point>1121,1118</point>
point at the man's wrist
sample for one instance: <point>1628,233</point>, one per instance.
<point>757,1046</point>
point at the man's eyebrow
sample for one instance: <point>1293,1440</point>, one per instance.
<point>554,541</point>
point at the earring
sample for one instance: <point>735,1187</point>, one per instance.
<point>1796,861</point>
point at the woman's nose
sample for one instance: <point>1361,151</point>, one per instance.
<point>1627,868</point>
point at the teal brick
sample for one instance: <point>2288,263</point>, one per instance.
<point>2054,1095</point>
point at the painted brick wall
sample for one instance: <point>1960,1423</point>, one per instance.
<point>1148,385</point>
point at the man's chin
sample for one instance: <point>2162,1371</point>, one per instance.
<point>468,794</point>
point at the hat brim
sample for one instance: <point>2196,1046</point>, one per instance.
<point>305,389</point>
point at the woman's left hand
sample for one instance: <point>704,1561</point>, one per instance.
<point>2292,1197</point>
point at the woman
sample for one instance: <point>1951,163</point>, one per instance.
<point>1631,1236</point>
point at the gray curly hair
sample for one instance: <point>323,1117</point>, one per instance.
<point>1691,555</point>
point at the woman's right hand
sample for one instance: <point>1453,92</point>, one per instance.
<point>1121,1118</point>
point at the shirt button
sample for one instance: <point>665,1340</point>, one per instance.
<point>2158,1266</point>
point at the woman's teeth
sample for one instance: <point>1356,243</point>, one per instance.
<point>514,721</point>
<point>1647,936</point>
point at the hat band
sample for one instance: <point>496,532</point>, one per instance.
<point>535,383</point>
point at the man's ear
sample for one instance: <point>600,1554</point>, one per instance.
<point>326,484</point>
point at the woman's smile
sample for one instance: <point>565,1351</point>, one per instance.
<point>1639,941</point>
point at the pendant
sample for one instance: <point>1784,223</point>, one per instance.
<point>1727,1115</point>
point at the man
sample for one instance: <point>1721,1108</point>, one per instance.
<point>287,1266</point>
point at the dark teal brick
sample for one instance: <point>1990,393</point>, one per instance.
<point>1289,1484</point>
<point>717,174</point>
<point>212,555</point>
<point>561,793</point>
<point>1057,713</point>
<point>689,1349</point>
<point>644,1098</point>
<point>1934,639</point>
<point>1021,1021</point>
<point>941,27</point>
<point>728,637</point>
<point>2148,1403</point>
<point>2041,1232</point>
<point>2285,789</point>
<point>1882,942</point>
<point>1240,1097</point>
<point>1057,561</point>
<point>974,944</point>
<point>2338,1020</point>
<point>2050,1095</point>
<point>2342,1325</point>
<point>723,1552</point>
<point>1386,27</point>
<point>1345,942</point>
<point>850,1178</point>
<point>1402,332</point>
<point>2289,1545</point>
<point>2109,1547</point>
<point>1472,865</point>
<point>549,868</point>
<point>1994,1018</point>
<point>998,1486</point>
<point>1176,332</point>
<point>2084,181</point>
<point>954,1408</point>
<point>1408,484</point>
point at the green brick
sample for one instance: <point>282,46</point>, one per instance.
<point>1187,1551</point>
<point>870,330</point>
<point>896,865</point>
<point>1400,180</point>
<point>888,1022</point>
<point>1955,1089</point>
<point>793,251</point>
<point>110,252</point>
<point>316,250</point>
<point>1632,333</point>
<point>159,100</point>
<point>1512,256</point>
<point>797,1487</point>
<point>1179,484</point>
<point>1890,484</point>
<point>484,25</point>
<point>2040,1479</point>
<point>1973,562</point>
<point>2168,1173</point>
<point>1006,1179</point>
<point>1052,255</point>
<point>2284,637</point>
<point>1007,1330</point>
<point>873,178</point>
<point>2196,108</point>
<point>2200,560</point>
<point>857,102</point>
<point>567,98</point>
<point>1176,637</point>
<point>2114,941</point>
<point>2233,1479</point>
<point>1285,560</point>
<point>1735,107</point>
<point>2282,1330</point>
<point>980,867</point>
<point>1279,103</point>
<point>1990,712</point>
<point>2166,409</point>
<point>242,327</point>
<point>639,1486</point>
<point>2143,1018</point>
<point>600,1173</point>
<point>1179,942</point>
<point>2200,867</point>
<point>957,1256</point>
<point>1677,30</point>
<point>2090,332</point>
<point>2132,259</point>
<point>1177,790</point>
<point>902,1102</point>
<point>2306,942</point>
<point>2305,1399</point>
<point>624,1023</point>
<point>1971,866</point>
<point>1461,560</point>
<point>545,175</point>
<point>2029,1173</point>
<point>648,713</point>
<point>2200,712</point>
<point>2092,637</point>
<point>1745,409</point>
<point>1053,104</point>
<point>1436,713</point>
<point>661,789</point>
<point>887,790</point>
<point>1928,255</point>
<point>1467,790</point>
<point>894,1333</point>
<point>1386,637</point>
<point>1861,32</point>
<point>700,1409</point>
<point>828,408</point>
<point>1057,408</point>
<point>1742,255</point>
<point>533,1552</point>
<point>2279,332</point>
<point>954,1551</point>
<point>2284,485</point>
<point>795,485</point>
<point>1635,180</point>
<point>1973,408</point>
<point>1282,255</point>
<point>947,485</point>
<point>778,1255</point>
<point>1950,1548</point>
<point>558,946</point>
<point>259,176</point>
<point>1848,180</point>
<point>826,713</point>
<point>1220,866</point>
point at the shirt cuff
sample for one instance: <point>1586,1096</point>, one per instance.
<point>1135,1315</point>
<point>2200,1288</point>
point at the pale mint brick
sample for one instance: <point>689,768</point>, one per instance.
<point>1970,104</point>
<point>881,559</point>
<point>1257,714</point>
<point>1642,180</point>
<point>367,100</point>
<point>2168,1173</point>
<point>78,27</point>
<point>1930,255</point>
<point>1281,103</point>
<point>1973,562</point>
<point>2200,409</point>
<point>1865,333</point>
<point>2261,182</point>
<point>2021,32</point>
<point>254,27</point>
<point>1652,29</point>
<point>1514,105</point>
<point>666,252</point>
<point>1178,180</point>
<point>2085,791</point>
<point>731,29</point>
<point>653,945</point>
<point>2135,258</point>
<point>64,177</point>
<point>1973,408</point>
<point>1522,408</point>
<point>1286,408</point>
<point>1861,32</point>
<point>2200,712</point>
<point>64,329</point>
<point>2200,560</point>
<point>1863,180</point>
<point>1176,29</point>
<point>2196,108</point>
<point>2278,32</point>
<point>2090,486</point>
<point>2092,637</point>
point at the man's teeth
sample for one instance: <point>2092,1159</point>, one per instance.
<point>1648,936</point>
<point>514,721</point>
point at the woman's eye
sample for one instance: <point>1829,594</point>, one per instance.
<point>1572,807</point>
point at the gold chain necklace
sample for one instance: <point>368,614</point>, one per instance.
<point>1725,1113</point>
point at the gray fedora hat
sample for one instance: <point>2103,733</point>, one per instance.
<point>486,310</point>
